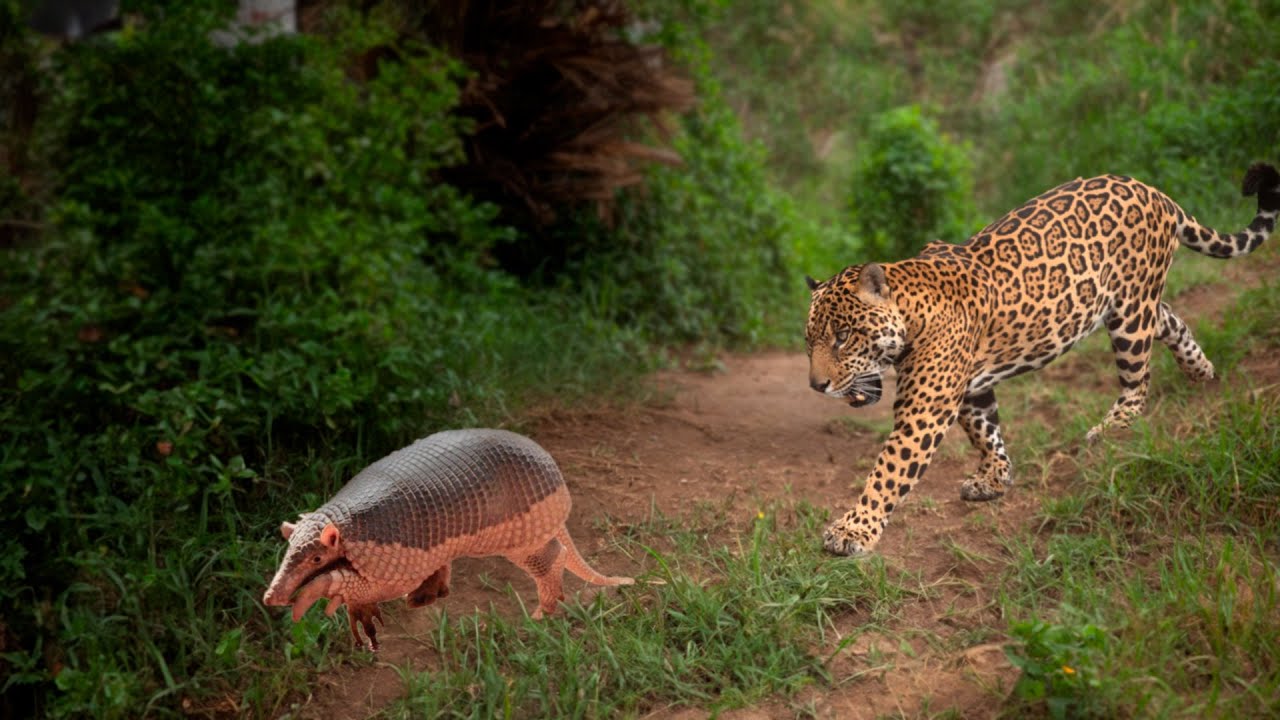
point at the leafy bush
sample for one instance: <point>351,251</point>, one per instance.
<point>706,253</point>
<point>701,256</point>
<point>911,185</point>
<point>1060,667</point>
<point>19,59</point>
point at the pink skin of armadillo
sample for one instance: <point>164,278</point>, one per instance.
<point>394,529</point>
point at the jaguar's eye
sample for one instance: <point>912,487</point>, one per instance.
<point>842,335</point>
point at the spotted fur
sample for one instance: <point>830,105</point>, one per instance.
<point>957,319</point>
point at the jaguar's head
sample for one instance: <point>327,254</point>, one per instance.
<point>854,332</point>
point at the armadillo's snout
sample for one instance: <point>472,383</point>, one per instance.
<point>274,597</point>
<point>286,582</point>
<point>278,592</point>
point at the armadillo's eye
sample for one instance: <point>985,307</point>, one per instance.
<point>842,335</point>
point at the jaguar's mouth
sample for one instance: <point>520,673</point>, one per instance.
<point>864,390</point>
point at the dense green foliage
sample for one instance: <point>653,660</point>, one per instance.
<point>705,251</point>
<point>911,185</point>
<point>1162,91</point>
<point>243,280</point>
<point>1200,95</point>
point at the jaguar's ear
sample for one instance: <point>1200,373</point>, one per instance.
<point>872,285</point>
<point>813,284</point>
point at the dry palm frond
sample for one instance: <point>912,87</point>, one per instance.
<point>557,91</point>
<point>559,96</point>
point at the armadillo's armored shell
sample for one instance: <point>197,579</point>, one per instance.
<point>394,529</point>
<point>445,486</point>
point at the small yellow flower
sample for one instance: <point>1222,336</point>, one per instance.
<point>759,514</point>
<point>1068,670</point>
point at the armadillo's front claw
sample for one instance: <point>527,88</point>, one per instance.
<point>546,606</point>
<point>362,616</point>
<point>322,586</point>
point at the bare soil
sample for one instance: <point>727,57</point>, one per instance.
<point>738,437</point>
<point>744,434</point>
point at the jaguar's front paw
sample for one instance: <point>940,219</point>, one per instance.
<point>981,489</point>
<point>841,539</point>
<point>1202,373</point>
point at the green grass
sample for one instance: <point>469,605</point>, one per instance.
<point>848,426</point>
<point>1188,613</point>
<point>1156,578</point>
<point>726,625</point>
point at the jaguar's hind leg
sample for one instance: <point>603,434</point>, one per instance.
<point>979,416</point>
<point>1132,335</point>
<point>1175,334</point>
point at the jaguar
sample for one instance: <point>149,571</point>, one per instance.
<point>955,320</point>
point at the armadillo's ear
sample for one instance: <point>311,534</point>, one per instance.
<point>329,536</point>
<point>286,529</point>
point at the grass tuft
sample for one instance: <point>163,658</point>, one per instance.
<point>728,625</point>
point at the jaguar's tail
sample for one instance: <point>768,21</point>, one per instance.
<point>1262,180</point>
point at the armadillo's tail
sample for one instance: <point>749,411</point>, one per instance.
<point>576,565</point>
<point>1262,180</point>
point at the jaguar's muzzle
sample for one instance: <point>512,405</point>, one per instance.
<point>865,390</point>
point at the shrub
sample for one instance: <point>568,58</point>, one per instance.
<point>20,185</point>
<point>1060,667</point>
<point>911,185</point>
<point>700,257</point>
<point>705,253</point>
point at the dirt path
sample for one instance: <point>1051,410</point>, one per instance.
<point>737,437</point>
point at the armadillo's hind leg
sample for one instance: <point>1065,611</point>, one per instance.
<point>433,588</point>
<point>579,567</point>
<point>362,616</point>
<point>546,566</point>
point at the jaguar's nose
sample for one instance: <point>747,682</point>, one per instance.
<point>819,385</point>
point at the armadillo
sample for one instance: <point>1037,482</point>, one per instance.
<point>396,527</point>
